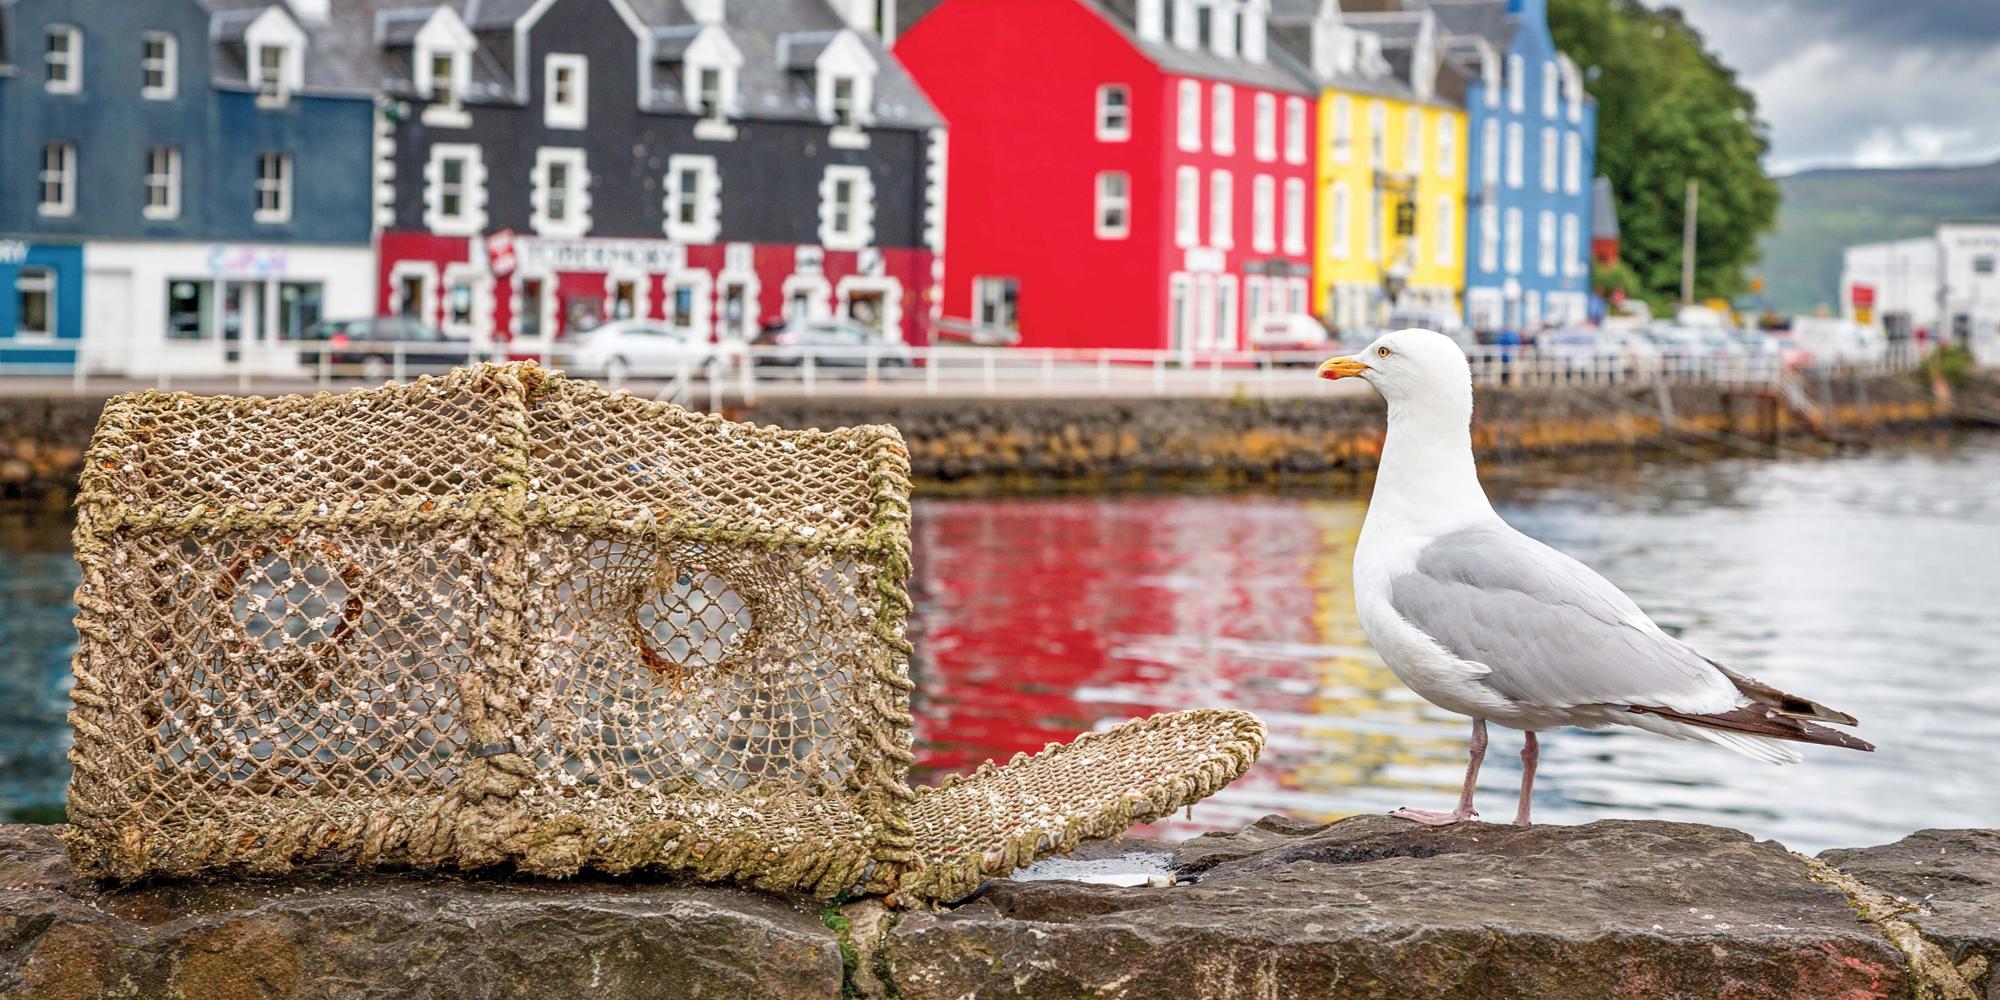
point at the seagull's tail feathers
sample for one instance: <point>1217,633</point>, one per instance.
<point>1782,702</point>
<point>1753,730</point>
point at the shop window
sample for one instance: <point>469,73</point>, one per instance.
<point>301,305</point>
<point>458,304</point>
<point>625,300</point>
<point>684,306</point>
<point>533,295</point>
<point>190,309</point>
<point>35,302</point>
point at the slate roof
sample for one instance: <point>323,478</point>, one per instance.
<point>1123,14</point>
<point>364,46</point>
<point>1487,19</point>
<point>1290,41</point>
<point>765,31</point>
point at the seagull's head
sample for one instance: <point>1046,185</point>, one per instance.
<point>1420,368</point>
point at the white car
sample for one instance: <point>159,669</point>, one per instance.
<point>1289,332</point>
<point>637,347</point>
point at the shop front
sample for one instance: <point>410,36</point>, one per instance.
<point>41,312</point>
<point>214,308</point>
<point>527,291</point>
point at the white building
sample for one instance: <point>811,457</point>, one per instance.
<point>1899,278</point>
<point>1947,283</point>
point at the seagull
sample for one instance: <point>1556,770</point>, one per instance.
<point>1486,622</point>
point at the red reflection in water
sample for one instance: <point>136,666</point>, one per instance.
<point>1039,619</point>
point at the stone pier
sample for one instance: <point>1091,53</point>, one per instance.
<point>1366,907</point>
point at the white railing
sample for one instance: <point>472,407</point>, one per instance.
<point>740,375</point>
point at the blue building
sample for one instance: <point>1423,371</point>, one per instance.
<point>187,184</point>
<point>1531,158</point>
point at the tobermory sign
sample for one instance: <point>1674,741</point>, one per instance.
<point>648,256</point>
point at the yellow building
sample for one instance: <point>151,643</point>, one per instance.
<point>1392,149</point>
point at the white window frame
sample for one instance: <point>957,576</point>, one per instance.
<point>1295,130</point>
<point>1551,158</point>
<point>42,279</point>
<point>1187,207</point>
<point>1550,109</point>
<point>575,112</point>
<point>71,60</point>
<point>470,219</point>
<point>165,177</point>
<point>62,175</point>
<point>1375,224</point>
<point>1295,216</point>
<point>848,112</point>
<point>1222,119</point>
<point>1445,241</point>
<point>1225,313</point>
<point>1187,111</point>
<point>1265,146</point>
<point>1511,241</point>
<point>167,66</point>
<point>1517,84</point>
<point>1447,145</point>
<point>724,103</point>
<point>1413,140</point>
<point>1108,129</point>
<point>1490,153</point>
<point>1264,214</point>
<point>1378,135</point>
<point>707,222</point>
<point>1221,209</point>
<point>274,84</point>
<point>1545,243</point>
<point>278,187</point>
<point>1109,200</point>
<point>1573,163</point>
<point>1489,76</point>
<point>1572,236</point>
<point>860,229</point>
<point>1489,238</point>
<point>1341,215</point>
<point>1516,155</point>
<point>576,220</point>
<point>1341,129</point>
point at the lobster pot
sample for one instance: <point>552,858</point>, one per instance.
<point>501,617</point>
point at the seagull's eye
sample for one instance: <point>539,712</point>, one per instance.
<point>1381,352</point>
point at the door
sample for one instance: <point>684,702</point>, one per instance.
<point>108,325</point>
<point>735,312</point>
<point>242,318</point>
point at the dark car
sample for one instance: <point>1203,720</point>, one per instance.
<point>830,343</point>
<point>371,346</point>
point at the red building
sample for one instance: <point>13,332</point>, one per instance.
<point>1143,176</point>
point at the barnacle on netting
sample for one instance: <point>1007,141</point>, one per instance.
<point>504,617</point>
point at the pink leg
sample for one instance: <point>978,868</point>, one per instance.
<point>1531,753</point>
<point>1475,752</point>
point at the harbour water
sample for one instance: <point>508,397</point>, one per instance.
<point>1867,582</point>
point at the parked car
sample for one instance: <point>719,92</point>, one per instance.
<point>1831,340</point>
<point>1444,321</point>
<point>830,343</point>
<point>372,345</point>
<point>624,348</point>
<point>1291,332</point>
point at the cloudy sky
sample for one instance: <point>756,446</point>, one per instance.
<point>1864,82</point>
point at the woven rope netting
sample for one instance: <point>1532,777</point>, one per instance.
<point>502,617</point>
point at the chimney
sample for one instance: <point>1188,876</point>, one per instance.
<point>705,11</point>
<point>310,11</point>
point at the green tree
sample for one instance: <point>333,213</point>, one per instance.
<point>1668,111</point>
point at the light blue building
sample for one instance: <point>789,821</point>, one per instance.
<point>1532,142</point>
<point>185,185</point>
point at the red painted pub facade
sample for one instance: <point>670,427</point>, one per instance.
<point>1150,183</point>
<point>720,166</point>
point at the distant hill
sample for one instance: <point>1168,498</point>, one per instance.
<point>1824,211</point>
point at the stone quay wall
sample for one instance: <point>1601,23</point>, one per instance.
<point>1368,907</point>
<point>1018,443</point>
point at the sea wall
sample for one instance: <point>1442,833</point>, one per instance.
<point>1366,907</point>
<point>1081,443</point>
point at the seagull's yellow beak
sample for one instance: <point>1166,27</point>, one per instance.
<point>1342,368</point>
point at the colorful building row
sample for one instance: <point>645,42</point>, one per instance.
<point>1175,170</point>
<point>191,184</point>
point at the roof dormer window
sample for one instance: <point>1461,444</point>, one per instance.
<point>843,101</point>
<point>444,72</point>
<point>62,60</point>
<point>442,61</point>
<point>271,73</point>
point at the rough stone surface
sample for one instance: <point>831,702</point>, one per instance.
<point>397,936</point>
<point>1373,907</point>
<point>1951,881</point>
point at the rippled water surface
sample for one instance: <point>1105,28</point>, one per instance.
<point>1871,583</point>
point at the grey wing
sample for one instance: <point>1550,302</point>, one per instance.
<point>1552,632</point>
